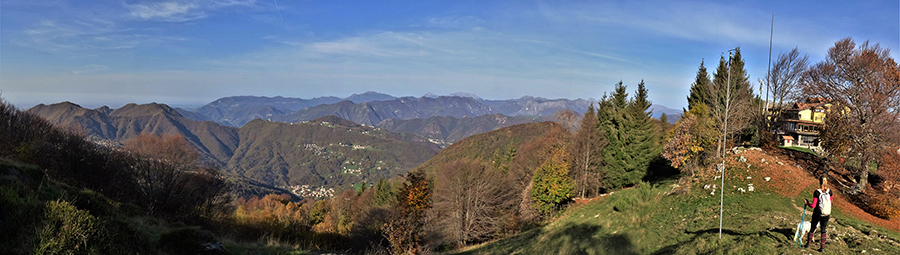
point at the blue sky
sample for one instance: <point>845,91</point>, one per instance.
<point>191,52</point>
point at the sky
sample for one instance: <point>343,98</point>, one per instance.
<point>191,52</point>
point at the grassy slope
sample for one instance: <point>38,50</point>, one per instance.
<point>650,221</point>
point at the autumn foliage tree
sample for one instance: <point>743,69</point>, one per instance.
<point>690,142</point>
<point>551,187</point>
<point>862,83</point>
<point>406,231</point>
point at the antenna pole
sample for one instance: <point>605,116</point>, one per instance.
<point>769,68</point>
<point>724,133</point>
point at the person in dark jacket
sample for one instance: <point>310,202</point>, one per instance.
<point>821,205</point>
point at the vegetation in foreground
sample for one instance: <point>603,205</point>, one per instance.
<point>677,218</point>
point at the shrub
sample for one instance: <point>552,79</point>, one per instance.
<point>16,226</point>
<point>66,229</point>
<point>884,206</point>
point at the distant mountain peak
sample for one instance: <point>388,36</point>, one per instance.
<point>430,95</point>
<point>369,96</point>
<point>136,110</point>
<point>466,94</point>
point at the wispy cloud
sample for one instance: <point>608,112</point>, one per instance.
<point>113,27</point>
<point>446,61</point>
<point>167,11</point>
<point>696,21</point>
<point>86,35</point>
<point>181,11</point>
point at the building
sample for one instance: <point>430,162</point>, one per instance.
<point>801,123</point>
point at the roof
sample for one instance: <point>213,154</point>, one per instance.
<point>787,137</point>
<point>811,102</point>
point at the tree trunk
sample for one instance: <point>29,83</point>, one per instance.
<point>863,179</point>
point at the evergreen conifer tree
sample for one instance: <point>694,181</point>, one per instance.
<point>632,137</point>
<point>383,193</point>
<point>644,139</point>
<point>700,88</point>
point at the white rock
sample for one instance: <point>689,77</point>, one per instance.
<point>748,177</point>
<point>768,178</point>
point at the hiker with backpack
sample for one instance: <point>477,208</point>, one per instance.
<point>821,205</point>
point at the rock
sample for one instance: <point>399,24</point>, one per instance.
<point>763,160</point>
<point>742,159</point>
<point>768,178</point>
<point>779,163</point>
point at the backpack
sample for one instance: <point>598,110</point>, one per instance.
<point>825,202</point>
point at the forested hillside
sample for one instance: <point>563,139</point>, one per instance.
<point>214,141</point>
<point>328,152</point>
<point>445,130</point>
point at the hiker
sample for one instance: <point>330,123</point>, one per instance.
<point>821,205</point>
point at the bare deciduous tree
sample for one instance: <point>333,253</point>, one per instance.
<point>863,84</point>
<point>171,179</point>
<point>469,199</point>
<point>586,147</point>
<point>784,81</point>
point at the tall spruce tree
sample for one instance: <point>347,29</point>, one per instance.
<point>645,137</point>
<point>632,137</point>
<point>700,88</point>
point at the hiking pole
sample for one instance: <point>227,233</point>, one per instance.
<point>800,228</point>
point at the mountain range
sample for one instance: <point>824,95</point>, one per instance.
<point>371,108</point>
<point>324,141</point>
<point>325,152</point>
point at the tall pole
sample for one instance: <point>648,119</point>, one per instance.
<point>724,132</point>
<point>769,68</point>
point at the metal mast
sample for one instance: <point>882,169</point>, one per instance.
<point>724,133</point>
